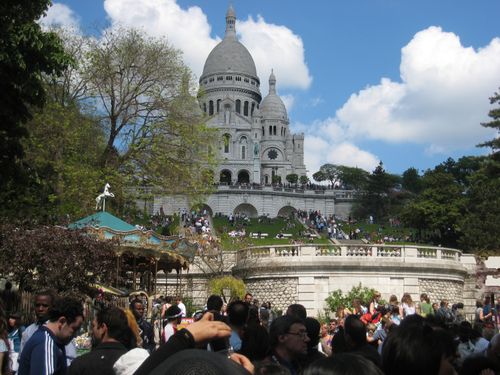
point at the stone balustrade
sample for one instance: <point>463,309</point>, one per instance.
<point>338,194</point>
<point>402,253</point>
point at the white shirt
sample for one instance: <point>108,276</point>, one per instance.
<point>183,308</point>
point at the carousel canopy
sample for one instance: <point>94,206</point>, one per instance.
<point>172,252</point>
<point>102,219</point>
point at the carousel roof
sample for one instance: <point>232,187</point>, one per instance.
<point>102,219</point>
<point>172,252</point>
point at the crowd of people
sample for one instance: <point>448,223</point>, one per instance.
<point>245,337</point>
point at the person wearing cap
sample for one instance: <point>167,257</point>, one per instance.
<point>174,317</point>
<point>110,331</point>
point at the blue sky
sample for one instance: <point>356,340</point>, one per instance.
<point>398,81</point>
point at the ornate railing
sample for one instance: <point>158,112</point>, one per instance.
<point>339,194</point>
<point>368,251</point>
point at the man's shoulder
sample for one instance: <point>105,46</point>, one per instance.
<point>41,335</point>
<point>103,355</point>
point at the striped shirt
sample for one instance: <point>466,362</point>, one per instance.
<point>43,354</point>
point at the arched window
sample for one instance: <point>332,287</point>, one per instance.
<point>245,109</point>
<point>253,107</point>
<point>243,143</point>
<point>263,133</point>
<point>274,129</point>
<point>226,139</point>
<point>238,106</point>
<point>205,107</point>
<point>270,130</point>
<point>210,108</point>
<point>218,105</point>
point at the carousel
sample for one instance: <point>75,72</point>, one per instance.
<point>140,254</point>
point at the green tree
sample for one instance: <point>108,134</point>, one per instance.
<point>337,299</point>
<point>411,180</point>
<point>292,178</point>
<point>64,149</point>
<point>229,287</point>
<point>482,213</point>
<point>304,180</point>
<point>26,53</point>
<point>178,156</point>
<point>133,79</point>
<point>494,114</point>
<point>328,172</point>
<point>378,197</point>
<point>353,177</point>
<point>438,208</point>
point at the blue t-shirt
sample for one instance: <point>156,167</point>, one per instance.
<point>43,354</point>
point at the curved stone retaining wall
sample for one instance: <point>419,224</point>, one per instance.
<point>306,274</point>
<point>317,270</point>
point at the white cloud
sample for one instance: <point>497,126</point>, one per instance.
<point>275,47</point>
<point>60,15</point>
<point>320,150</point>
<point>187,29</point>
<point>272,46</point>
<point>440,101</point>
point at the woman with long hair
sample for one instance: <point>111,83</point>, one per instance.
<point>407,306</point>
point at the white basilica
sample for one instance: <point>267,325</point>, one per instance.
<point>256,145</point>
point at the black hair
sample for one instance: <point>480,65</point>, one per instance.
<point>116,322</point>
<point>297,310</point>
<point>415,347</point>
<point>255,342</point>
<point>474,365</point>
<point>343,364</point>
<point>133,302</point>
<point>67,307</point>
<point>49,293</point>
<point>313,327</point>
<point>237,312</point>
<point>354,331</point>
<point>281,326</point>
<point>214,303</point>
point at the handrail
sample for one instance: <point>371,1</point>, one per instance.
<point>403,252</point>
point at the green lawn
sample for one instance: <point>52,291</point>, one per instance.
<point>270,226</point>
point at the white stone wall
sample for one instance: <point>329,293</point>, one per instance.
<point>308,279</point>
<point>267,201</point>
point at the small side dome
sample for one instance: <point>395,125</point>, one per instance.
<point>272,107</point>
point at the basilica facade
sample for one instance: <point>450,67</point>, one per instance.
<point>255,144</point>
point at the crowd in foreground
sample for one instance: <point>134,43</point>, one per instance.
<point>244,337</point>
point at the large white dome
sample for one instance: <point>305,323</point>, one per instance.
<point>229,56</point>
